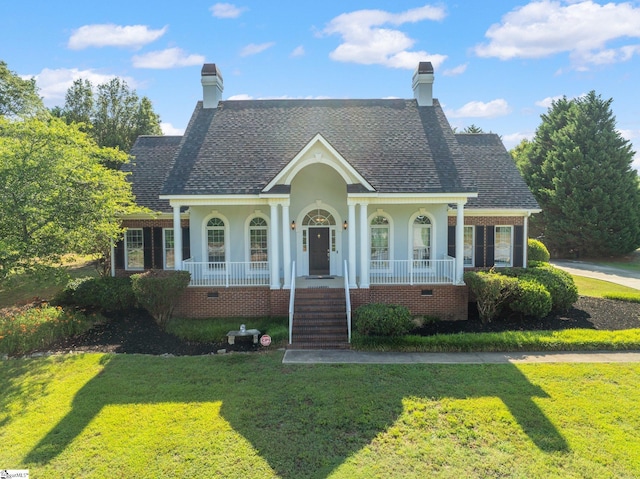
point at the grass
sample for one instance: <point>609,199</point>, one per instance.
<point>250,416</point>
<point>215,330</point>
<point>601,289</point>
<point>24,288</point>
<point>564,340</point>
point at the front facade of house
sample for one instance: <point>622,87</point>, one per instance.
<point>379,193</point>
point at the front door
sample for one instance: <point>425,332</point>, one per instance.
<point>318,251</point>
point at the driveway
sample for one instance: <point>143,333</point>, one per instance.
<point>605,273</point>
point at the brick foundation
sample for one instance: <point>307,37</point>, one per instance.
<point>446,302</point>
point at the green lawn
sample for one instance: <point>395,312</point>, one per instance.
<point>598,288</point>
<point>250,416</point>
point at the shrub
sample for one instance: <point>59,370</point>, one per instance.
<point>491,291</point>
<point>629,297</point>
<point>537,251</point>
<point>559,283</point>
<point>158,290</point>
<point>104,293</point>
<point>531,298</point>
<point>382,320</point>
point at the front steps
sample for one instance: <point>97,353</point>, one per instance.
<point>320,319</point>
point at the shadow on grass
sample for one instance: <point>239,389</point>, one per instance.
<point>303,420</point>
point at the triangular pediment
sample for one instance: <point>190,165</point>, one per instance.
<point>318,151</point>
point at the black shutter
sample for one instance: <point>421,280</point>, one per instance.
<point>148,249</point>
<point>479,247</point>
<point>186,243</point>
<point>451,241</point>
<point>118,254</point>
<point>491,246</point>
<point>518,247</point>
<point>158,250</point>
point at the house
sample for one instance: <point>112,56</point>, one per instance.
<point>266,194</point>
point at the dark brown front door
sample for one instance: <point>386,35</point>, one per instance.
<point>318,251</point>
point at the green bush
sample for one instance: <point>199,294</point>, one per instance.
<point>559,283</point>
<point>491,290</point>
<point>382,320</point>
<point>158,290</point>
<point>105,294</point>
<point>531,298</point>
<point>537,251</point>
<point>629,297</point>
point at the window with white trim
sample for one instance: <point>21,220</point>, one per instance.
<point>216,248</point>
<point>469,246</point>
<point>258,243</point>
<point>168,248</point>
<point>421,238</point>
<point>503,246</point>
<point>134,248</point>
<point>380,236</point>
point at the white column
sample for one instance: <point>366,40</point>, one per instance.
<point>286,246</point>
<point>525,250</point>
<point>364,250</point>
<point>274,245</point>
<point>351,231</point>
<point>177,237</point>
<point>459,243</point>
<point>113,259</point>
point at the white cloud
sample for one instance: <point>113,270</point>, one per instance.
<point>241,96</point>
<point>459,70</point>
<point>297,52</point>
<point>582,28</point>
<point>170,130</point>
<point>165,59</point>
<point>478,109</point>
<point>226,10</point>
<point>547,102</point>
<point>53,84</point>
<point>254,49</point>
<point>512,140</point>
<point>245,96</point>
<point>109,35</point>
<point>364,41</point>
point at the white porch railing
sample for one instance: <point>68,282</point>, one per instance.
<point>249,273</point>
<point>433,271</point>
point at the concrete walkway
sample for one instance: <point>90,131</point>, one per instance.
<point>605,273</point>
<point>293,356</point>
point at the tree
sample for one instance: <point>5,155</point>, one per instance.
<point>579,169</point>
<point>18,98</point>
<point>116,115</point>
<point>473,129</point>
<point>57,196</point>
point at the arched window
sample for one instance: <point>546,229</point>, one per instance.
<point>380,231</point>
<point>422,238</point>
<point>258,242</point>
<point>319,218</point>
<point>216,247</point>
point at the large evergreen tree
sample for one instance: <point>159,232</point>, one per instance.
<point>579,168</point>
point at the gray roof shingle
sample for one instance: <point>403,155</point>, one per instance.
<point>398,147</point>
<point>499,182</point>
<point>151,163</point>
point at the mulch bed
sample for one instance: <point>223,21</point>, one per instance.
<point>137,333</point>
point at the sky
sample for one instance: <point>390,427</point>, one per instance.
<point>498,64</point>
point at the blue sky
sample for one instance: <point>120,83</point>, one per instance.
<point>498,64</point>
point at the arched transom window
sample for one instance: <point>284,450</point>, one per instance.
<point>215,240</point>
<point>422,238</point>
<point>258,240</point>
<point>319,218</point>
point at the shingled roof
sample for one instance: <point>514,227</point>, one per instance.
<point>499,182</point>
<point>153,158</point>
<point>397,146</point>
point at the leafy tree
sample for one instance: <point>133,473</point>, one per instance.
<point>57,196</point>
<point>18,98</point>
<point>579,169</point>
<point>115,113</point>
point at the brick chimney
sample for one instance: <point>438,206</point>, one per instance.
<point>423,84</point>
<point>212,85</point>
